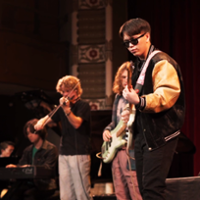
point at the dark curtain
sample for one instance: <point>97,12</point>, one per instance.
<point>175,30</point>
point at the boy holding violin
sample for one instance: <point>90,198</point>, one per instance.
<point>74,155</point>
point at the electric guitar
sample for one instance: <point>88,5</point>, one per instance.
<point>109,149</point>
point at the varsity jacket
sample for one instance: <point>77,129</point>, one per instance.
<point>161,116</point>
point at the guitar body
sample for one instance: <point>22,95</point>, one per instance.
<point>109,149</point>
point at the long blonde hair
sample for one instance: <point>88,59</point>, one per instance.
<point>117,85</point>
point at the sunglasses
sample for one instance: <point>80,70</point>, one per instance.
<point>132,41</point>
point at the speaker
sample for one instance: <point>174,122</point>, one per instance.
<point>183,188</point>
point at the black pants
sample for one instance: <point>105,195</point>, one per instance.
<point>152,167</point>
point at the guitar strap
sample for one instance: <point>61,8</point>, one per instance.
<point>139,85</point>
<point>140,80</point>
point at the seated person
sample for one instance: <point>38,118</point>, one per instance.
<point>7,147</point>
<point>40,153</point>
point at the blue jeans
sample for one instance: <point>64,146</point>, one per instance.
<point>152,167</point>
<point>74,177</point>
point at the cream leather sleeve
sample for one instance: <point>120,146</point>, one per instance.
<point>166,87</point>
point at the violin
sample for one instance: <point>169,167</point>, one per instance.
<point>67,99</point>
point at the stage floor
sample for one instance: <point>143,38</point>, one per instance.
<point>184,188</point>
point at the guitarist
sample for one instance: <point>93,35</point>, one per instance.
<point>160,108</point>
<point>124,179</point>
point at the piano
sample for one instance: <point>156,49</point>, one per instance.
<point>32,172</point>
<point>20,175</point>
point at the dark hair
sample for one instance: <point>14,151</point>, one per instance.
<point>134,26</point>
<point>30,124</point>
<point>4,145</point>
